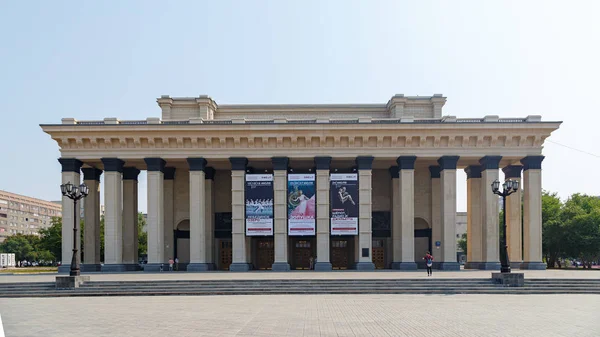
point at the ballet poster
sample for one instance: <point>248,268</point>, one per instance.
<point>259,204</point>
<point>301,204</point>
<point>344,203</point>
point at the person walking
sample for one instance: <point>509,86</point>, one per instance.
<point>176,264</point>
<point>311,263</point>
<point>171,264</point>
<point>428,262</point>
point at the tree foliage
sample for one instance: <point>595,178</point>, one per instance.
<point>462,243</point>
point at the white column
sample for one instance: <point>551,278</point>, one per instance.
<point>532,212</point>
<point>169,226</point>
<point>365,238</point>
<point>197,215</point>
<point>436,214</point>
<point>396,218</point>
<point>448,212</point>
<point>238,227</point>
<point>406,188</point>
<point>513,217</point>
<point>130,218</point>
<point>113,214</point>
<point>91,212</point>
<point>474,223</point>
<point>70,174</point>
<point>323,213</point>
<point>280,167</point>
<point>209,222</point>
<point>490,213</point>
<point>156,219</point>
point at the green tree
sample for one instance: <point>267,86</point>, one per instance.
<point>51,239</point>
<point>581,218</point>
<point>142,236</point>
<point>553,230</point>
<point>23,246</point>
<point>462,243</point>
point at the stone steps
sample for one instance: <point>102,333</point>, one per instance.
<point>304,286</point>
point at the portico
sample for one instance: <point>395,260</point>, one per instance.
<point>242,187</point>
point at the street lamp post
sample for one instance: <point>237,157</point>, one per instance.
<point>509,187</point>
<point>74,193</point>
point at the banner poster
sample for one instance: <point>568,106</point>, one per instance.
<point>301,204</point>
<point>259,204</point>
<point>343,191</point>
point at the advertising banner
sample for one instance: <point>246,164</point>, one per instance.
<point>259,204</point>
<point>301,204</point>
<point>343,191</point>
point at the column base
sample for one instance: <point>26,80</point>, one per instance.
<point>239,267</point>
<point>516,265</point>
<point>117,268</point>
<point>156,267</point>
<point>472,265</point>
<point>90,267</point>
<point>198,267</point>
<point>454,266</point>
<point>365,266</point>
<point>323,266</point>
<point>489,266</point>
<point>280,266</point>
<point>533,266</point>
<point>404,265</point>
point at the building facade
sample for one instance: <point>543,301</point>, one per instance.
<point>25,215</point>
<point>365,186</point>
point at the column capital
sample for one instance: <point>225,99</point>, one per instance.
<point>490,162</point>
<point>169,173</point>
<point>364,162</point>
<point>280,163</point>
<point>209,173</point>
<point>155,164</point>
<point>448,162</point>
<point>323,163</point>
<point>512,171</point>
<point>197,164</point>
<point>238,163</point>
<point>532,162</point>
<point>91,173</point>
<point>112,164</point>
<point>435,171</point>
<point>473,171</point>
<point>406,162</point>
<point>130,173</point>
<point>394,172</point>
<point>70,164</point>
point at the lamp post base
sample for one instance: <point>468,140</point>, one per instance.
<point>509,279</point>
<point>70,282</point>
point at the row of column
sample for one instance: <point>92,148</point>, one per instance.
<point>120,200</point>
<point>483,215</point>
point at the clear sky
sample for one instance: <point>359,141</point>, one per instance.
<point>96,59</point>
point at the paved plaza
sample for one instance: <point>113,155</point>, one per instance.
<point>307,315</point>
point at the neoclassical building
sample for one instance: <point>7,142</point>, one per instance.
<point>365,186</point>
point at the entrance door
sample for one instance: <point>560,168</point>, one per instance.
<point>224,254</point>
<point>378,254</point>
<point>339,253</point>
<point>266,254</point>
<point>302,254</point>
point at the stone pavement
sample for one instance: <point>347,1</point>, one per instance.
<point>350,274</point>
<point>305,315</point>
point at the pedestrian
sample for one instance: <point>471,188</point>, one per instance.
<point>311,263</point>
<point>429,262</point>
<point>171,264</point>
<point>177,263</point>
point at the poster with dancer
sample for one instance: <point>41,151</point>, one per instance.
<point>343,191</point>
<point>301,204</point>
<point>259,204</point>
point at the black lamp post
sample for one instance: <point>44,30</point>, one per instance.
<point>509,187</point>
<point>74,193</point>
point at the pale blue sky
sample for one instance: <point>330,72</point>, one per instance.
<point>91,60</point>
